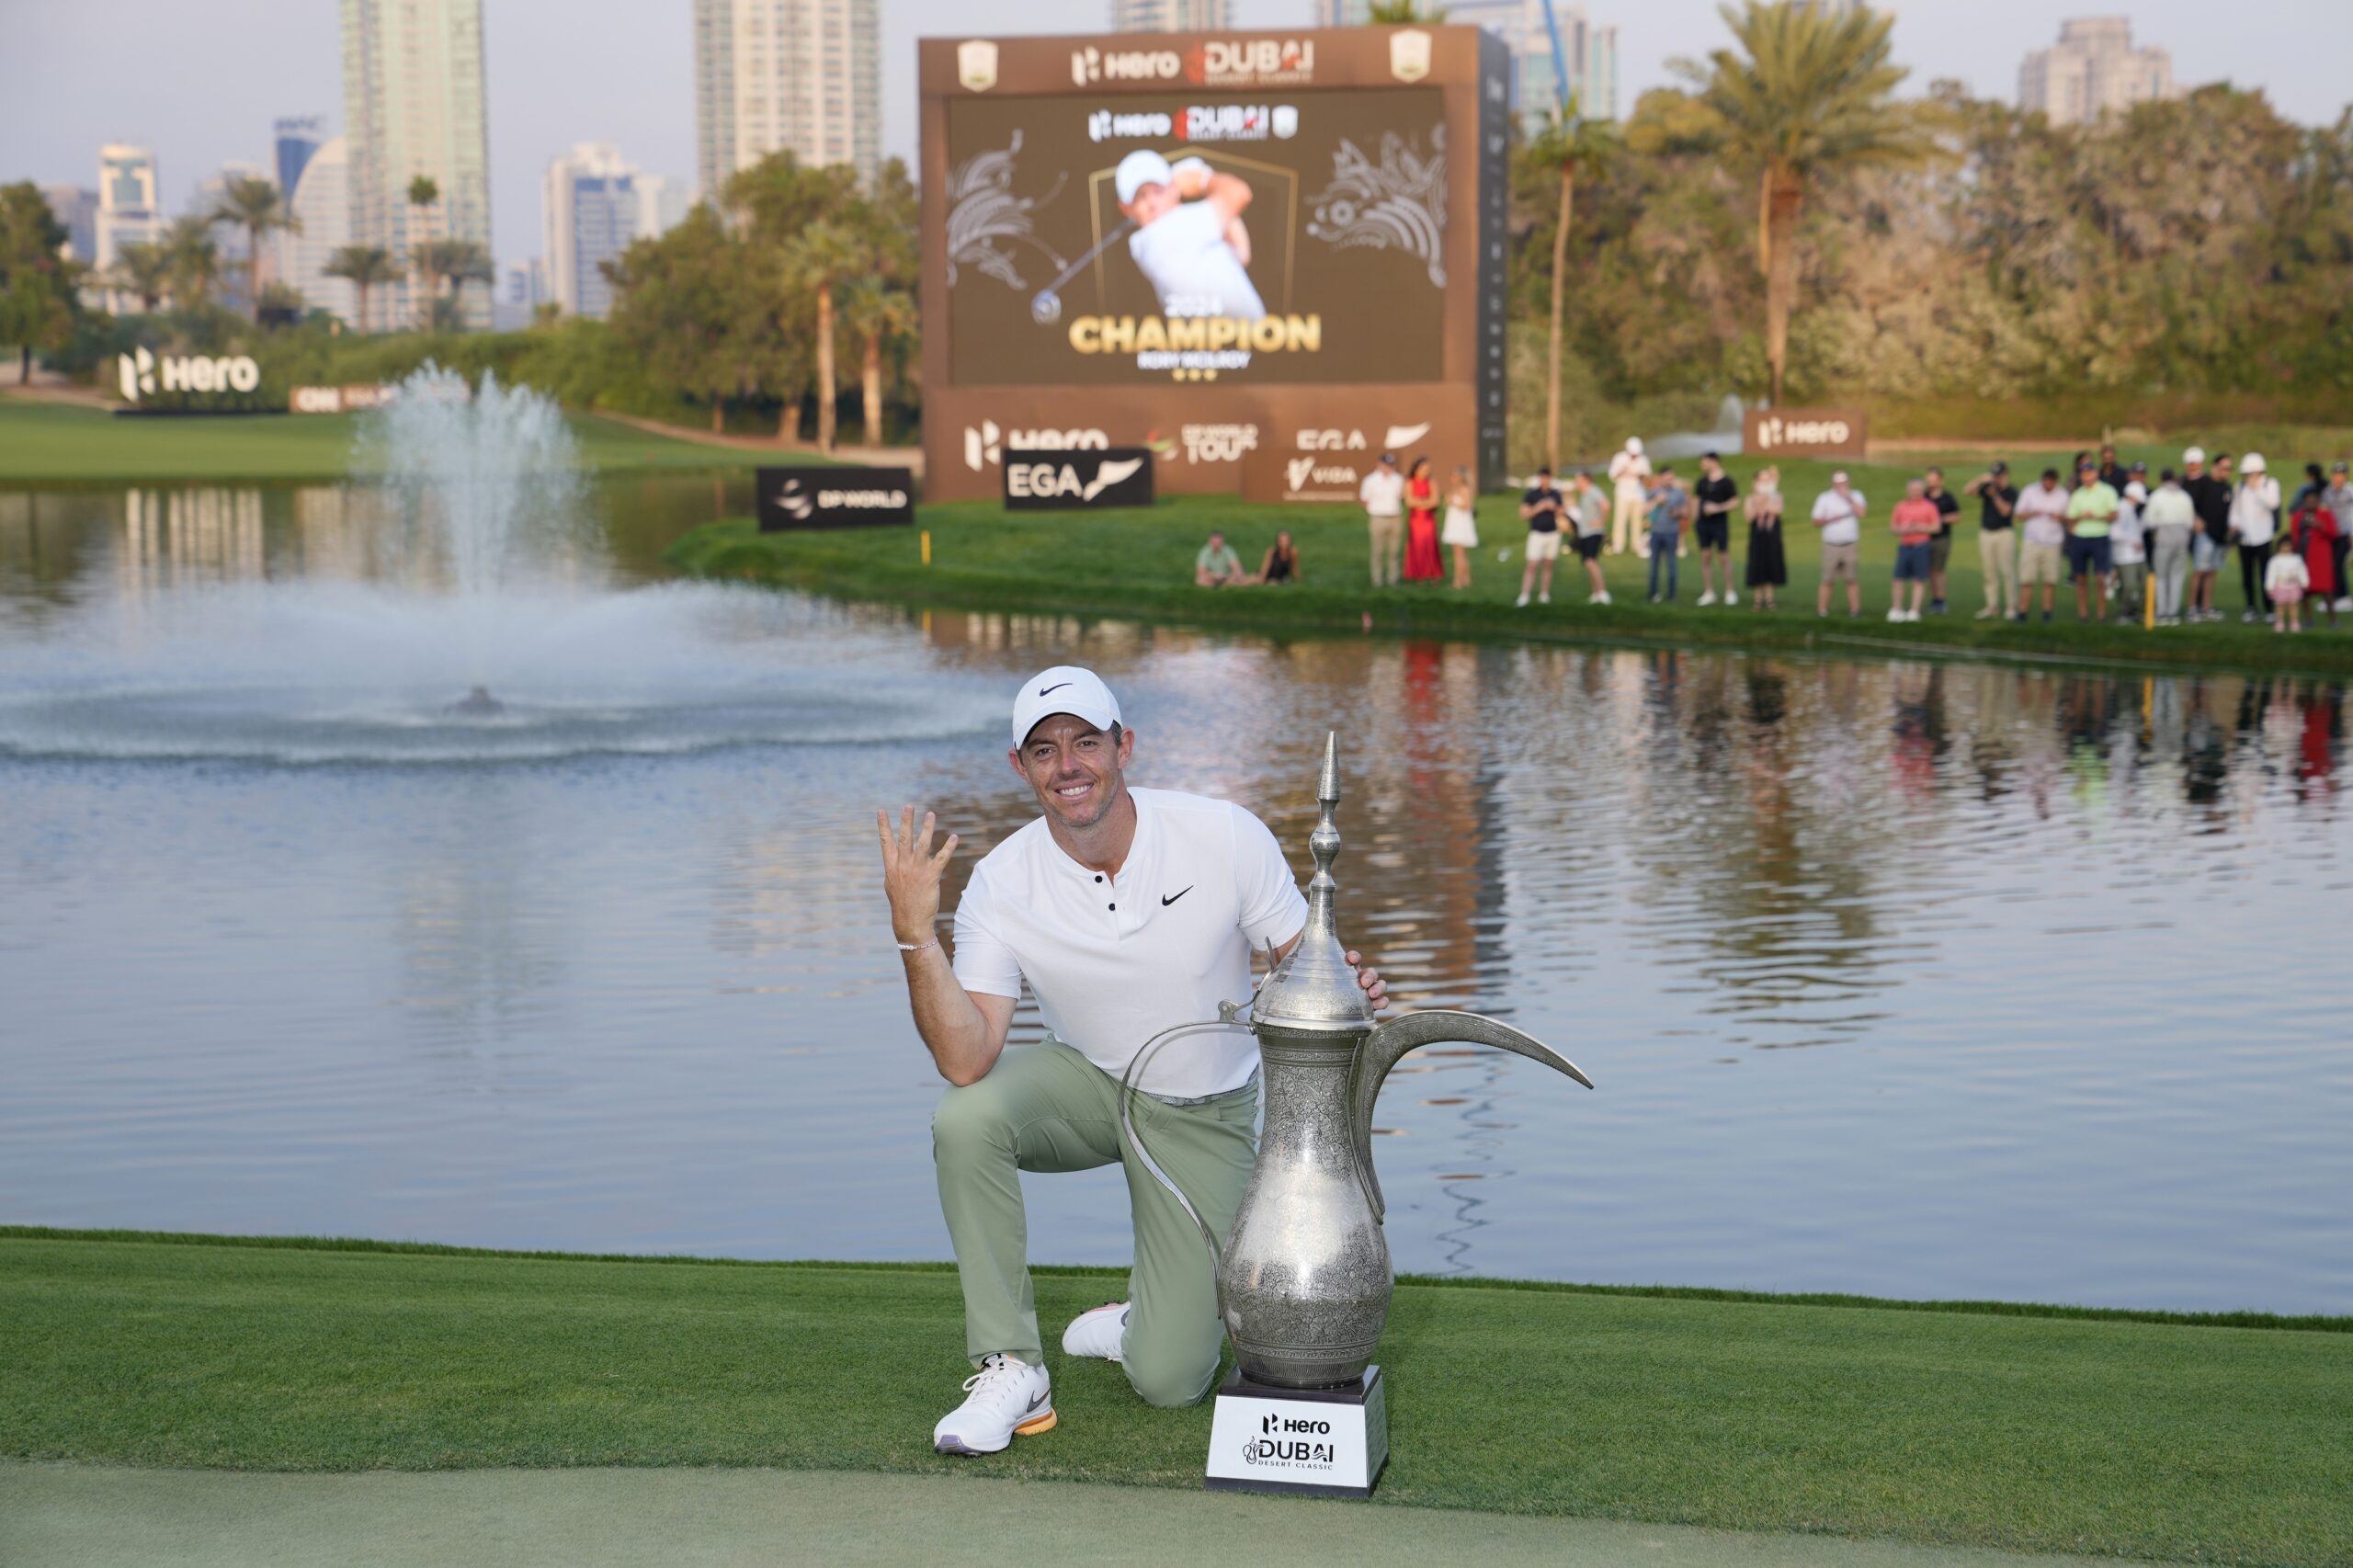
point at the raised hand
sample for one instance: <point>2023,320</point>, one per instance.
<point>911,870</point>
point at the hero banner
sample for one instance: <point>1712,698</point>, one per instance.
<point>1267,238</point>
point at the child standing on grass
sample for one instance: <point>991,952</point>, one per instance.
<point>2285,579</point>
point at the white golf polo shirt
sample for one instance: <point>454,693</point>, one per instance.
<point>1193,267</point>
<point>1115,960</point>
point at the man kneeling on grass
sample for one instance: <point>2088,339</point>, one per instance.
<point>1127,912</point>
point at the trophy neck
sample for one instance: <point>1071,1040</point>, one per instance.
<point>1315,989</point>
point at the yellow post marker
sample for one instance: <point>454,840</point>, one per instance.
<point>926,546</point>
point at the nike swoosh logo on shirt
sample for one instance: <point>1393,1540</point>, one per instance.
<point>1046,691</point>
<point>1174,897</point>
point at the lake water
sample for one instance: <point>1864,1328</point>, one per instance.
<point>1912,979</point>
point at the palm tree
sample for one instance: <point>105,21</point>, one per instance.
<point>424,199</point>
<point>1575,146</point>
<point>364,267</point>
<point>456,262</point>
<point>1806,98</point>
<point>142,267</point>
<point>1404,13</point>
<point>818,259</point>
<point>253,203</point>
<point>879,315</point>
<point>195,269</point>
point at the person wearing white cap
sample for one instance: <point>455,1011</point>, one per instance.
<point>2255,519</point>
<point>1629,472</point>
<point>1126,912</point>
<point>1189,240</point>
<point>1838,512</point>
<point>2128,552</point>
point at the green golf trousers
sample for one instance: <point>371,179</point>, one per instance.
<point>1046,1107</point>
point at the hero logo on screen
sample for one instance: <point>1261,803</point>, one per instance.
<point>141,374</point>
<point>1090,66</point>
<point>1102,125</point>
<point>1251,62</point>
<point>985,444</point>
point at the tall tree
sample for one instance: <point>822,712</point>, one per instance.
<point>1806,98</point>
<point>252,202</point>
<point>776,203</point>
<point>695,308</point>
<point>1575,146</point>
<point>424,201</point>
<point>456,262</point>
<point>195,262</point>
<point>822,257</point>
<point>142,267</point>
<point>1404,13</point>
<point>37,302</point>
<point>879,316</point>
<point>365,267</point>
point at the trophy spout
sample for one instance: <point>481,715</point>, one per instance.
<point>1390,1041</point>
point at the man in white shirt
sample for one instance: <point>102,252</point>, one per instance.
<point>1128,911</point>
<point>1838,512</point>
<point>1190,241</point>
<point>2042,541</point>
<point>1630,472</point>
<point>2170,519</point>
<point>1384,494</point>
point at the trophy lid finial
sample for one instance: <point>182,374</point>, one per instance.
<point>1315,987</point>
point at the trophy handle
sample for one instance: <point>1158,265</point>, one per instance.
<point>1389,1042</point>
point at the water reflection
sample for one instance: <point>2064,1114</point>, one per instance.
<point>1896,976</point>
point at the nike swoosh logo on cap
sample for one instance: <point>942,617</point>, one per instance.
<point>1046,691</point>
<point>1174,897</point>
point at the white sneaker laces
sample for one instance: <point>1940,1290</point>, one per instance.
<point>998,1378</point>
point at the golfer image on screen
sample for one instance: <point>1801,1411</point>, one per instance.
<point>1190,239</point>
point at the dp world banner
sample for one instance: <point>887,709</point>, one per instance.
<point>833,497</point>
<point>1190,241</point>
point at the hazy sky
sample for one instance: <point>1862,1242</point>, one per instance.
<point>200,80</point>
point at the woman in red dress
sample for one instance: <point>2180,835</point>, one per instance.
<point>2316,530</point>
<point>1422,563</point>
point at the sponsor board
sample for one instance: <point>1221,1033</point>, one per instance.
<point>1326,460</point>
<point>143,376</point>
<point>1065,481</point>
<point>1804,433</point>
<point>835,497</point>
<point>1328,1443</point>
<point>350,399</point>
<point>1358,176</point>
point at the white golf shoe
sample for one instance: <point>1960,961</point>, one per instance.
<point>1097,1333</point>
<point>1005,1400</point>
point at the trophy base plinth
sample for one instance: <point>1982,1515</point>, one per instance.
<point>1304,1442</point>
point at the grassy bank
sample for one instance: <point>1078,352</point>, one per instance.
<point>2044,1433</point>
<point>1138,565</point>
<point>51,443</point>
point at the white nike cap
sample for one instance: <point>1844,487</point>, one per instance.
<point>2194,455</point>
<point>1140,168</point>
<point>1066,689</point>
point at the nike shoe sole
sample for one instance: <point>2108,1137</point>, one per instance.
<point>951,1443</point>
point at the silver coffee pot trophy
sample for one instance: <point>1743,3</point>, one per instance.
<point>1304,1279</point>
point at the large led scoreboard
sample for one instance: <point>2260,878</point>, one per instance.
<point>1264,256</point>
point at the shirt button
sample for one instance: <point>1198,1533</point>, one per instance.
<point>1099,876</point>
<point>1112,906</point>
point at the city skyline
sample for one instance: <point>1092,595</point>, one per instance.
<point>212,86</point>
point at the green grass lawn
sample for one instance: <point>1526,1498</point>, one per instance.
<point>2097,1434</point>
<point>1137,564</point>
<point>63,443</point>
